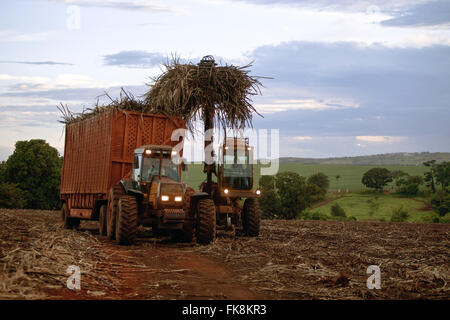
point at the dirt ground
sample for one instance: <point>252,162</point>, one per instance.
<point>289,260</point>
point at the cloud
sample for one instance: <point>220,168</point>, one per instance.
<point>383,139</point>
<point>23,84</point>
<point>342,5</point>
<point>50,63</point>
<point>149,6</point>
<point>304,104</point>
<point>135,59</point>
<point>14,36</point>
<point>302,138</point>
<point>431,13</point>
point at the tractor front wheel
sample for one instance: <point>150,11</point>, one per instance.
<point>251,215</point>
<point>188,232</point>
<point>114,194</point>
<point>126,221</point>
<point>206,221</point>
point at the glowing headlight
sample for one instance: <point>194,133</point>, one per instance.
<point>148,152</point>
<point>174,153</point>
<point>225,191</point>
<point>178,198</point>
<point>164,198</point>
<point>258,192</point>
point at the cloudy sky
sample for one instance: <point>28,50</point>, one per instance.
<point>349,77</point>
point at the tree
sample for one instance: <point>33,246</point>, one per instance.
<point>287,194</point>
<point>337,177</point>
<point>399,214</point>
<point>321,180</point>
<point>269,201</point>
<point>35,167</point>
<point>290,187</point>
<point>11,196</point>
<point>408,185</point>
<point>2,170</point>
<point>442,175</point>
<point>429,175</point>
<point>337,211</point>
<point>377,178</point>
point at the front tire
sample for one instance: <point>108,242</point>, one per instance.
<point>188,232</point>
<point>206,221</point>
<point>251,216</point>
<point>114,194</point>
<point>126,221</point>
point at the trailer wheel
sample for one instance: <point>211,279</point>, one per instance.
<point>251,215</point>
<point>206,221</point>
<point>126,221</point>
<point>114,194</point>
<point>102,220</point>
<point>68,222</point>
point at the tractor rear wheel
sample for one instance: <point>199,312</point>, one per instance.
<point>126,221</point>
<point>68,222</point>
<point>206,221</point>
<point>114,194</point>
<point>251,215</point>
<point>102,220</point>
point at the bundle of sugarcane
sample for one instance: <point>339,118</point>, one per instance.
<point>190,91</point>
<point>125,102</point>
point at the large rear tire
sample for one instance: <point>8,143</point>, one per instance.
<point>126,221</point>
<point>251,216</point>
<point>102,220</point>
<point>206,221</point>
<point>114,195</point>
<point>68,223</point>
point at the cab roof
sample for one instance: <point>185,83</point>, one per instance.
<point>153,147</point>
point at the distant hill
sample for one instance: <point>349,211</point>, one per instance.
<point>405,159</point>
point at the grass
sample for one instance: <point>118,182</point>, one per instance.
<point>356,205</point>
<point>350,175</point>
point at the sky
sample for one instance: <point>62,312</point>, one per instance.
<point>350,77</point>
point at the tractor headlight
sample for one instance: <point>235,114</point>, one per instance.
<point>178,198</point>
<point>225,191</point>
<point>258,192</point>
<point>164,198</point>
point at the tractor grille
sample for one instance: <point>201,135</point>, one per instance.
<point>173,214</point>
<point>172,189</point>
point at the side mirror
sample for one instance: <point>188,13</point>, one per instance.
<point>183,166</point>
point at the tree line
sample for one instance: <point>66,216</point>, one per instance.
<point>436,179</point>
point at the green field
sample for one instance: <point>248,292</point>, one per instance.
<point>356,205</point>
<point>350,175</point>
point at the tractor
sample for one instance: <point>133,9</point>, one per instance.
<point>235,181</point>
<point>155,196</point>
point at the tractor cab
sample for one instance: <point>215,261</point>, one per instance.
<point>156,177</point>
<point>235,168</point>
<point>154,162</point>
